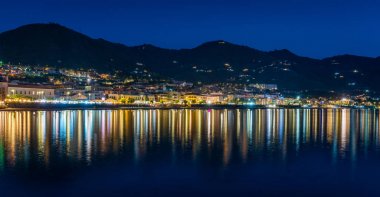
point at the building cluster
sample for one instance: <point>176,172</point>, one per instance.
<point>34,84</point>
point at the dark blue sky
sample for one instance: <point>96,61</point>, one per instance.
<point>315,28</point>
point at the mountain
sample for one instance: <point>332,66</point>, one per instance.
<point>216,61</point>
<point>52,44</point>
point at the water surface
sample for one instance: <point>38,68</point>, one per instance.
<point>190,152</point>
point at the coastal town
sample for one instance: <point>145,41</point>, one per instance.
<point>32,85</point>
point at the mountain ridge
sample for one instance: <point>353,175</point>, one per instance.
<point>214,61</point>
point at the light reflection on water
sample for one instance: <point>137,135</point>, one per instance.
<point>40,137</point>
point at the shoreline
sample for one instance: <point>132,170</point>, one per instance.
<point>53,107</point>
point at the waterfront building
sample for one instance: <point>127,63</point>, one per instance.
<point>127,97</point>
<point>213,98</point>
<point>3,90</point>
<point>193,98</point>
<point>204,98</point>
<point>3,87</point>
<point>78,97</point>
<point>32,91</point>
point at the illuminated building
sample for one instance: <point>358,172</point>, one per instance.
<point>126,96</point>
<point>3,87</point>
<point>264,86</point>
<point>207,98</point>
<point>32,91</point>
<point>3,90</point>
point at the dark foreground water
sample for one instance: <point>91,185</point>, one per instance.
<point>294,152</point>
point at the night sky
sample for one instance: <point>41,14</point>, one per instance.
<point>315,28</point>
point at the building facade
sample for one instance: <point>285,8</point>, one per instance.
<point>32,91</point>
<point>3,90</point>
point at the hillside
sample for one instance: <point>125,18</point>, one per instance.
<point>216,61</point>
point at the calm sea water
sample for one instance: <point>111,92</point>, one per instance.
<point>294,152</point>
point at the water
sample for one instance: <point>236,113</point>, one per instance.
<point>190,152</point>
